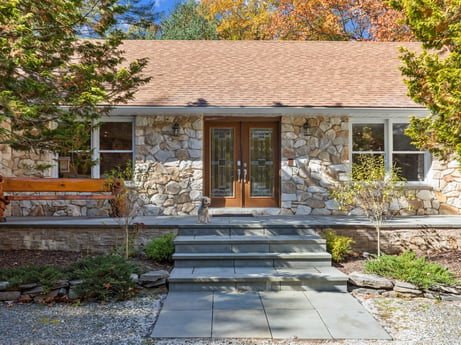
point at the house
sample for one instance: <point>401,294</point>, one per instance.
<point>264,125</point>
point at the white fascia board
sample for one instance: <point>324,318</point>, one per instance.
<point>353,112</point>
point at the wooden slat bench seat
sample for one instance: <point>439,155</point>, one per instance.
<point>63,189</point>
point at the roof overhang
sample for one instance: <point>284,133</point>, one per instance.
<point>352,112</point>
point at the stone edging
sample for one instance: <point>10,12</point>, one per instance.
<point>377,285</point>
<point>64,290</point>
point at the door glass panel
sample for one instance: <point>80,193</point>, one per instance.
<point>222,162</point>
<point>261,162</point>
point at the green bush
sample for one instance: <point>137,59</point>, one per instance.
<point>407,267</point>
<point>338,246</point>
<point>47,276</point>
<point>161,249</point>
<point>105,278</point>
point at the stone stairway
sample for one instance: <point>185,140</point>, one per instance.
<point>252,257</point>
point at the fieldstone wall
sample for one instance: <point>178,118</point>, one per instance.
<point>312,159</point>
<point>446,180</point>
<point>105,239</point>
<point>396,240</point>
<point>169,172</point>
<point>92,240</point>
<point>169,168</point>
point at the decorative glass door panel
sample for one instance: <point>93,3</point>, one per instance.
<point>222,162</point>
<point>242,163</point>
<point>261,162</point>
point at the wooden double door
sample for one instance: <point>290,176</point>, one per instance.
<point>242,162</point>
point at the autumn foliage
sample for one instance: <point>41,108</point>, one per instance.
<point>306,20</point>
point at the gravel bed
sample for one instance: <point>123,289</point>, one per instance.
<point>409,321</point>
<point>121,323</point>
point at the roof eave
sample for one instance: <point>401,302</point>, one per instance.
<point>271,111</point>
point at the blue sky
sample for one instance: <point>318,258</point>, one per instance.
<point>165,5</point>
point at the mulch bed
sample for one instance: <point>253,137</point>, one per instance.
<point>18,258</point>
<point>450,259</point>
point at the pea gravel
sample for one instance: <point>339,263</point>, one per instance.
<point>409,321</point>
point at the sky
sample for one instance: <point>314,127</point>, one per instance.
<point>165,5</point>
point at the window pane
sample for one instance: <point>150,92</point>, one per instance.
<point>401,141</point>
<point>110,161</point>
<point>411,165</point>
<point>116,136</point>
<point>261,162</point>
<point>222,162</point>
<point>368,137</point>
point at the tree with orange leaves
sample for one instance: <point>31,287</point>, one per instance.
<point>306,20</point>
<point>240,19</point>
<point>338,20</point>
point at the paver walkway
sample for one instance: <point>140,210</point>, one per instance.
<point>277,315</point>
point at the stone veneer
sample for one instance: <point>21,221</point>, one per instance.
<point>169,171</point>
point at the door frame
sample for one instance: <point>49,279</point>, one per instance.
<point>240,191</point>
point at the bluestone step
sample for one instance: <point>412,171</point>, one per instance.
<point>249,244</point>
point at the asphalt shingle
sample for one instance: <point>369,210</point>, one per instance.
<point>271,74</point>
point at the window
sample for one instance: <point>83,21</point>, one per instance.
<point>405,155</point>
<point>388,138</point>
<point>115,145</point>
<point>111,146</point>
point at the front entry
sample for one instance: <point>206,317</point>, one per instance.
<point>242,163</point>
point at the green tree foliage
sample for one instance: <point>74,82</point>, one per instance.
<point>371,188</point>
<point>187,23</point>
<point>139,20</point>
<point>433,75</point>
<point>53,84</point>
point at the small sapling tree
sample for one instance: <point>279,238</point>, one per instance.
<point>371,188</point>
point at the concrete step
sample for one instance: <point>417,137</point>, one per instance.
<point>249,244</point>
<point>298,260</point>
<point>244,230</point>
<point>257,279</point>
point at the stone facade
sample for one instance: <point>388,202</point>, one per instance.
<point>169,171</point>
<point>320,155</point>
<point>396,240</point>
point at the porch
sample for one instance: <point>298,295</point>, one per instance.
<point>98,235</point>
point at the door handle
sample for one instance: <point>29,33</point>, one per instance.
<point>239,178</point>
<point>244,175</point>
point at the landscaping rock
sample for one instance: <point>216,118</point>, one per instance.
<point>154,284</point>
<point>370,280</point>
<point>9,295</point>
<point>407,288</point>
<point>153,276</point>
<point>30,286</point>
<point>450,297</point>
<point>134,277</point>
<point>446,289</point>
<point>4,285</point>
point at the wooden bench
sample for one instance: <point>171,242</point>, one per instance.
<point>82,189</point>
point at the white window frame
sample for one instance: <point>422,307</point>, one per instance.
<point>388,144</point>
<point>95,136</point>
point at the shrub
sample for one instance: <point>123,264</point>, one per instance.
<point>105,278</point>
<point>47,276</point>
<point>407,267</point>
<point>161,248</point>
<point>337,246</point>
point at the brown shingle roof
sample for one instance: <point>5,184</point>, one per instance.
<point>271,73</point>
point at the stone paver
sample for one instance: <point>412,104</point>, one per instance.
<point>276,315</point>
